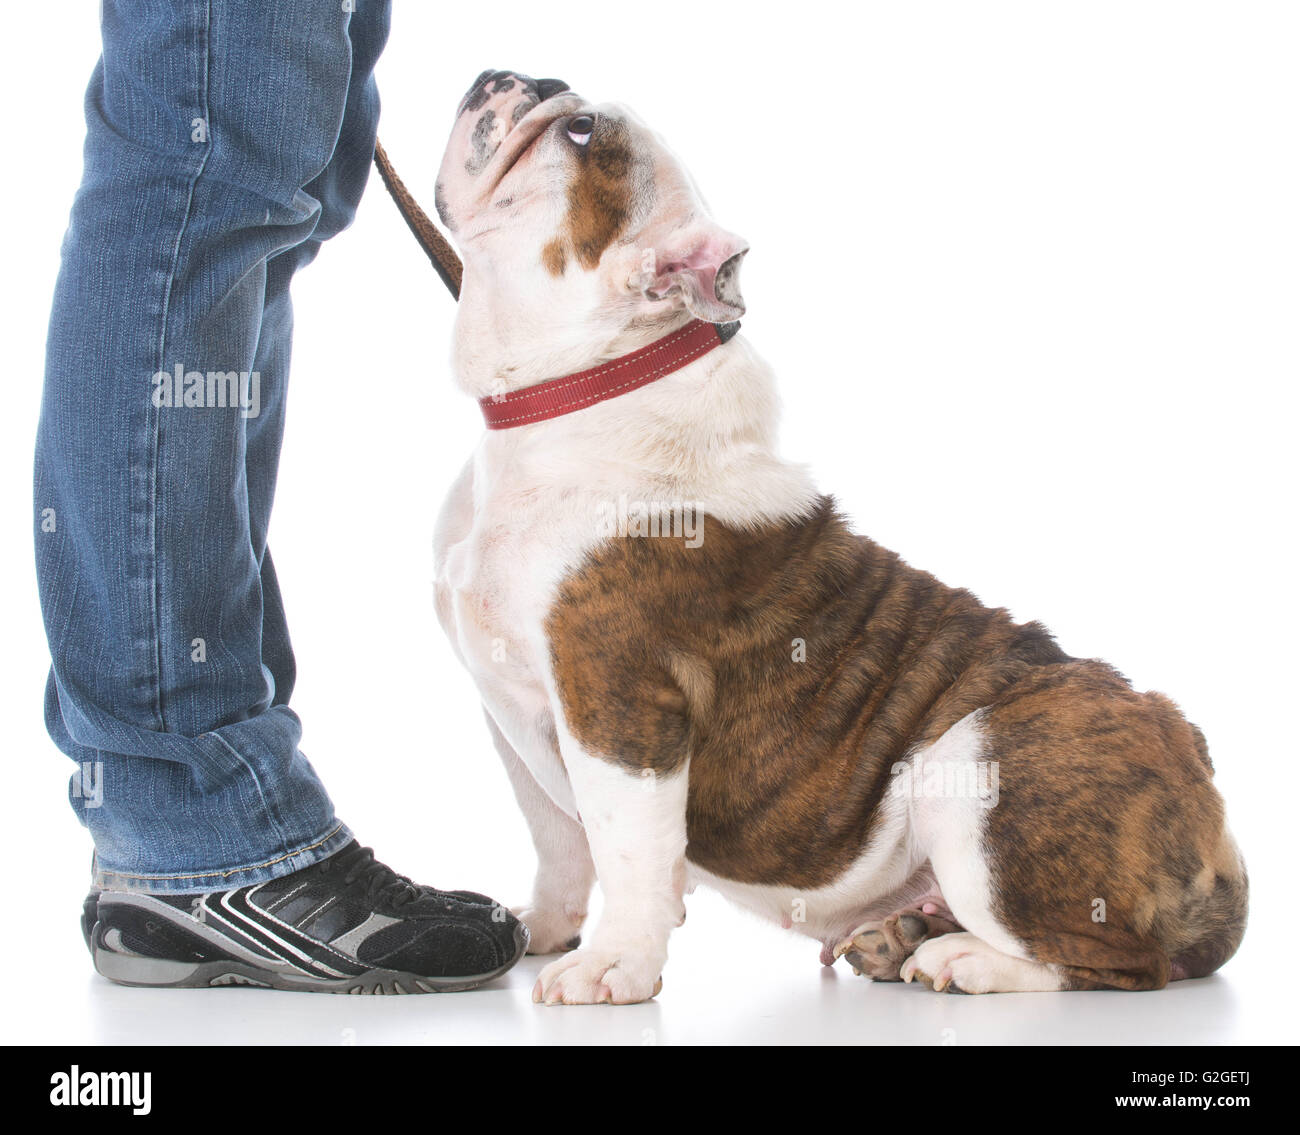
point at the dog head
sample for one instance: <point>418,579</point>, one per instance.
<point>574,219</point>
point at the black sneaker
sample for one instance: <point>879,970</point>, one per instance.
<point>347,924</point>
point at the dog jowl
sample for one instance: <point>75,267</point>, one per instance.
<point>761,707</point>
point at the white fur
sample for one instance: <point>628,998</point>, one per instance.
<point>565,872</point>
<point>951,832</point>
<point>973,966</point>
<point>636,825</point>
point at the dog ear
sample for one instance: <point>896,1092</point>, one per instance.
<point>702,266</point>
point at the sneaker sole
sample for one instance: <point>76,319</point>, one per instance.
<point>159,973</point>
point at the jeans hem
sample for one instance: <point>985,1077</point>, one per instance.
<point>202,882</point>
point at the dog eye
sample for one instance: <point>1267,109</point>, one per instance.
<point>580,128</point>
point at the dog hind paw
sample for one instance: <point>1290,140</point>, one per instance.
<point>963,963</point>
<point>878,949</point>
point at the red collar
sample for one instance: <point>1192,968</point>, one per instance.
<point>559,396</point>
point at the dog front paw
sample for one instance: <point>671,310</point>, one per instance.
<point>550,931</point>
<point>590,977</point>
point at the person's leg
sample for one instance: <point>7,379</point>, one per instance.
<point>225,141</point>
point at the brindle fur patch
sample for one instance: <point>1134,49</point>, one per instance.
<point>663,652</point>
<point>789,759</point>
<point>1106,794</point>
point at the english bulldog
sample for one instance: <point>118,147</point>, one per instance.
<point>696,673</point>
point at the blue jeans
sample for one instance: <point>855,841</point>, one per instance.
<point>226,140</point>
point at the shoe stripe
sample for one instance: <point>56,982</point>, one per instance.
<point>228,932</point>
<point>292,938</point>
<point>212,919</point>
<point>281,949</point>
<point>322,952</point>
<point>204,926</point>
<point>307,918</point>
<point>288,896</point>
<point>350,940</point>
<point>231,926</point>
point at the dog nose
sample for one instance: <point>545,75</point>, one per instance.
<point>491,81</point>
<point>477,84</point>
<point>548,88</point>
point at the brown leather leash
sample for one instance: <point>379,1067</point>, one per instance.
<point>436,246</point>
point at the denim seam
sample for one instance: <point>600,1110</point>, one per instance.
<point>108,872</point>
<point>152,502</point>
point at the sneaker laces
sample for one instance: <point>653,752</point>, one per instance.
<point>381,881</point>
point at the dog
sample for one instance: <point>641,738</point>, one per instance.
<point>751,696</point>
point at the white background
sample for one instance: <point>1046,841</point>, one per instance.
<point>1028,274</point>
